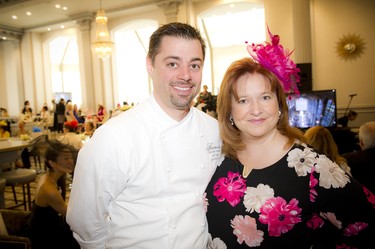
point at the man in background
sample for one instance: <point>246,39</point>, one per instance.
<point>362,163</point>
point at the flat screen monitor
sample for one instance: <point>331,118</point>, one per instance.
<point>313,108</point>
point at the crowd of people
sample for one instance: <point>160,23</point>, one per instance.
<point>165,174</point>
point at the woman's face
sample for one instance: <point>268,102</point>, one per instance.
<point>256,113</point>
<point>64,162</point>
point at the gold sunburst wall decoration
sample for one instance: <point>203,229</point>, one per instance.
<point>350,47</point>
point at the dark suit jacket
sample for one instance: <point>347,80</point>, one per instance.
<point>362,164</point>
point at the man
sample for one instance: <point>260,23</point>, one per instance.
<point>362,162</point>
<point>60,110</point>
<point>140,180</point>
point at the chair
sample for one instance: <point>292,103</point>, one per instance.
<point>2,188</point>
<point>23,177</point>
<point>17,228</point>
<point>37,149</point>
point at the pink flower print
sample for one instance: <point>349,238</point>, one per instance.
<point>280,216</point>
<point>313,183</point>
<point>332,218</point>
<point>355,228</point>
<point>370,196</point>
<point>205,202</point>
<point>344,246</point>
<point>245,228</point>
<point>315,222</point>
<point>231,188</point>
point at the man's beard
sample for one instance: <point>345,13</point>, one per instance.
<point>182,102</point>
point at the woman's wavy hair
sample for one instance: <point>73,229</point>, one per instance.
<point>231,135</point>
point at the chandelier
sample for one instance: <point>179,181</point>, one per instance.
<point>102,46</point>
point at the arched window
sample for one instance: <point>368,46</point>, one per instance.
<point>64,63</point>
<point>131,49</point>
<point>227,28</point>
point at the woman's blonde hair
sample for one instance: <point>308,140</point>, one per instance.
<point>322,140</point>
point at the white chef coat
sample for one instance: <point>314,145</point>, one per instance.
<point>139,181</point>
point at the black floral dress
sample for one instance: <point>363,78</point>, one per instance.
<point>302,201</point>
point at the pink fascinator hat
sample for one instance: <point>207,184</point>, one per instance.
<point>275,58</point>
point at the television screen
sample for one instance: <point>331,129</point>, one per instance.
<point>312,108</point>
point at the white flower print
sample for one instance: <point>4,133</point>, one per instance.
<point>216,243</point>
<point>332,218</point>
<point>301,161</point>
<point>255,197</point>
<point>331,175</point>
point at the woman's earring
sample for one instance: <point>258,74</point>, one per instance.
<point>279,113</point>
<point>231,121</point>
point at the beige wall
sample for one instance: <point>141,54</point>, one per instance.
<point>331,20</point>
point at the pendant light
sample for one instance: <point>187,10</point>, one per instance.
<point>102,46</point>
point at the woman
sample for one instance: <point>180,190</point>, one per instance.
<point>322,140</point>
<point>45,117</point>
<point>69,114</point>
<point>48,226</point>
<point>100,115</point>
<point>271,190</point>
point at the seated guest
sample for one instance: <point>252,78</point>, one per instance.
<point>25,156</point>
<point>322,140</point>
<point>70,136</point>
<point>89,130</point>
<point>48,226</point>
<point>3,129</point>
<point>362,163</point>
<point>45,117</point>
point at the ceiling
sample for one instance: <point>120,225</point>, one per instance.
<point>44,13</point>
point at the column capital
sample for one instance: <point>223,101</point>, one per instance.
<point>170,8</point>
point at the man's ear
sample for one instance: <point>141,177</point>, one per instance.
<point>149,66</point>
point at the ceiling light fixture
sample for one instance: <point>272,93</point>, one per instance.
<point>102,46</point>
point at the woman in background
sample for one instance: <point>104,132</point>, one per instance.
<point>48,226</point>
<point>322,140</point>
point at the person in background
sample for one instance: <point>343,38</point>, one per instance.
<point>88,130</point>
<point>362,162</point>
<point>4,133</point>
<point>53,111</point>
<point>69,113</point>
<point>204,96</point>
<point>76,114</point>
<point>139,181</point>
<point>343,121</point>
<point>101,113</point>
<point>70,136</point>
<point>272,190</point>
<point>25,155</point>
<point>48,226</point>
<point>27,112</point>
<point>322,140</point>
<point>60,110</point>
<point>45,117</point>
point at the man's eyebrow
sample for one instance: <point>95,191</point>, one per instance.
<point>179,58</point>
